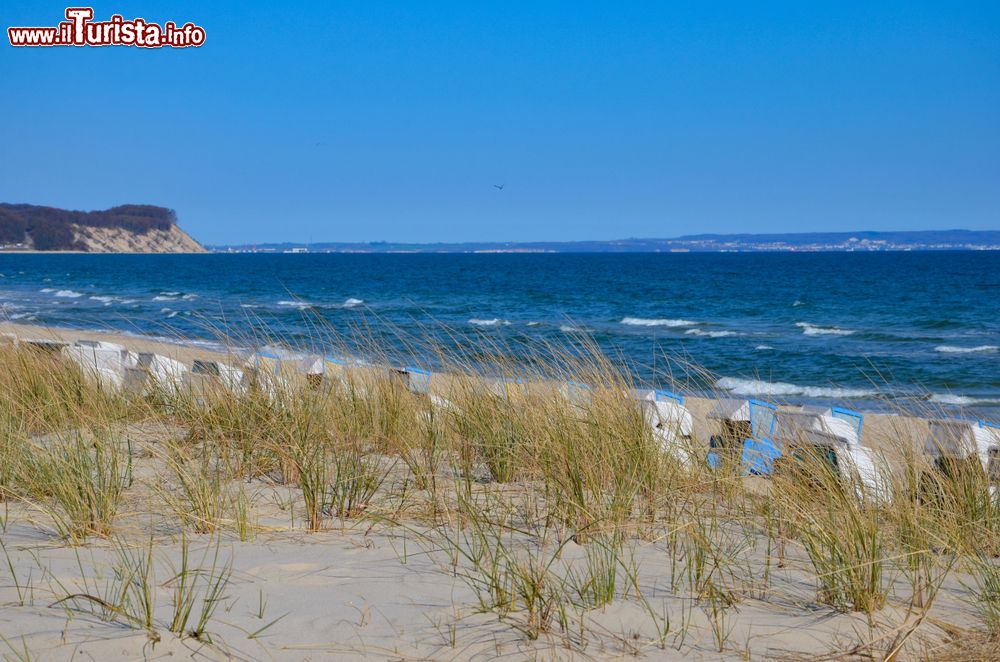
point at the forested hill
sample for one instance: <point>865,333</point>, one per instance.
<point>126,228</point>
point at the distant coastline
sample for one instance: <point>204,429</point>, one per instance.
<point>805,242</point>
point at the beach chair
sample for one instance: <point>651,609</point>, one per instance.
<point>205,375</point>
<point>46,346</point>
<point>747,435</point>
<point>99,362</point>
<point>671,422</point>
<point>416,380</point>
<point>154,372</point>
<point>129,359</point>
<point>832,435</point>
<point>505,387</point>
<point>279,370</point>
<point>576,393</point>
<point>959,446</point>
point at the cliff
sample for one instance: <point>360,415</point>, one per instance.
<point>122,229</point>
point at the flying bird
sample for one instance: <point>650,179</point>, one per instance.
<point>499,187</point>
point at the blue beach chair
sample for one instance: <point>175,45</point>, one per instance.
<point>747,427</point>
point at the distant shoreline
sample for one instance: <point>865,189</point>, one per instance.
<point>808,242</point>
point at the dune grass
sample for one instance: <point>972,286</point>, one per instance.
<point>534,497</point>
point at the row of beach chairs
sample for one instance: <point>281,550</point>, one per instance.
<point>752,435</point>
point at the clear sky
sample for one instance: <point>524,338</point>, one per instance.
<point>358,121</point>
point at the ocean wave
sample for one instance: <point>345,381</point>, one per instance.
<point>568,328</point>
<point>301,305</point>
<point>46,290</point>
<point>960,400</point>
<point>798,303</point>
<point>496,321</point>
<point>711,334</point>
<point>762,348</point>
<point>188,297</point>
<point>352,302</point>
<point>813,330</point>
<point>106,300</point>
<point>165,297</point>
<point>68,294</point>
<point>170,293</point>
<point>981,349</point>
<point>534,323</point>
<point>642,321</point>
<point>738,386</point>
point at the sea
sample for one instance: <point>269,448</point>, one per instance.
<point>871,331</point>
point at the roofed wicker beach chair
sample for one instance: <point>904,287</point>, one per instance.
<point>207,375</point>
<point>832,437</point>
<point>672,423</point>
<point>280,370</point>
<point>416,380</point>
<point>105,362</point>
<point>505,387</point>
<point>155,373</point>
<point>962,448</point>
<point>746,436</point>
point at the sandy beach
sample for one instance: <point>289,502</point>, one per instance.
<point>394,582</point>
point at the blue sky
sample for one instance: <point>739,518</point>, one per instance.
<point>392,121</point>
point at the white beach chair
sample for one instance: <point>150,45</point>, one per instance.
<point>416,380</point>
<point>215,372</point>
<point>834,435</point>
<point>969,443</point>
<point>505,387</point>
<point>46,345</point>
<point>102,363</point>
<point>276,371</point>
<point>576,393</point>
<point>154,372</point>
<point>672,423</point>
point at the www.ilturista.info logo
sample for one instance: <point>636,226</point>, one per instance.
<point>81,30</point>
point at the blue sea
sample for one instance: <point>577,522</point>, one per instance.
<point>869,330</point>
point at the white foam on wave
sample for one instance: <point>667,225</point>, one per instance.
<point>568,328</point>
<point>106,300</point>
<point>188,297</point>
<point>352,302</point>
<point>164,297</point>
<point>169,293</point>
<point>798,303</point>
<point>960,400</point>
<point>534,323</point>
<point>301,305</point>
<point>46,290</point>
<point>738,386</point>
<point>496,321</point>
<point>68,294</point>
<point>981,349</point>
<point>813,330</point>
<point>762,348</point>
<point>711,334</point>
<point>642,321</point>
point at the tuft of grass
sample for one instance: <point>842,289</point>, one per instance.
<point>79,482</point>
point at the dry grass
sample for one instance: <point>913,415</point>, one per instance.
<point>498,474</point>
